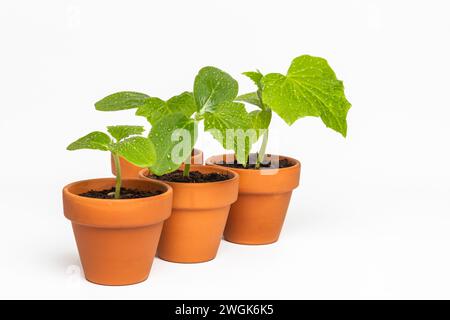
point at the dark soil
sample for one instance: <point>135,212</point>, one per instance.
<point>194,177</point>
<point>124,194</point>
<point>283,163</point>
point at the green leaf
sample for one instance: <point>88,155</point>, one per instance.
<point>121,101</point>
<point>94,140</point>
<point>183,103</point>
<point>310,88</point>
<point>213,86</point>
<point>122,132</point>
<point>154,109</point>
<point>174,137</point>
<point>251,98</point>
<point>223,123</point>
<point>255,76</point>
<point>137,150</point>
<point>260,120</point>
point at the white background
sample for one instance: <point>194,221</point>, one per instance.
<point>372,216</point>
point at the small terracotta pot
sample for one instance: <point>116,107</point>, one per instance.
<point>257,216</point>
<point>116,239</point>
<point>200,211</point>
<point>129,170</point>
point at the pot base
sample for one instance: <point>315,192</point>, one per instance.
<point>187,262</point>
<point>257,219</point>
<point>192,236</point>
<point>116,257</point>
<point>115,285</point>
<point>243,243</point>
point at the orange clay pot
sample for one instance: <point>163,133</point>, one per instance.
<point>200,211</point>
<point>116,239</point>
<point>129,170</point>
<point>257,216</point>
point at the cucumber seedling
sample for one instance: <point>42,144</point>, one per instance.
<point>310,88</point>
<point>124,141</point>
<point>175,121</point>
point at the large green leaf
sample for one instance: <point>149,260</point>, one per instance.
<point>260,120</point>
<point>122,132</point>
<point>121,101</point>
<point>310,88</point>
<point>137,150</point>
<point>94,140</point>
<point>251,98</point>
<point>173,136</point>
<point>213,86</point>
<point>229,123</point>
<point>154,109</point>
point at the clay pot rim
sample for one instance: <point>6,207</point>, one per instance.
<point>235,177</point>
<point>297,164</point>
<point>166,188</point>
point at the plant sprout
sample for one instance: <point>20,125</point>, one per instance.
<point>310,88</point>
<point>175,121</point>
<point>124,141</point>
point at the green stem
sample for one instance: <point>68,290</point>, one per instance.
<point>187,168</point>
<point>118,176</point>
<point>262,149</point>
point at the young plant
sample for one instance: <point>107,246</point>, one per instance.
<point>124,142</point>
<point>175,121</point>
<point>310,88</point>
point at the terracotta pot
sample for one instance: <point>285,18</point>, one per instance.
<point>257,216</point>
<point>129,170</point>
<point>116,239</point>
<point>200,211</point>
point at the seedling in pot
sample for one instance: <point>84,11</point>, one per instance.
<point>310,88</point>
<point>175,121</point>
<point>124,141</point>
<point>194,230</point>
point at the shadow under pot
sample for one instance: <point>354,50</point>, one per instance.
<point>129,170</point>
<point>200,210</point>
<point>258,215</point>
<point>117,239</point>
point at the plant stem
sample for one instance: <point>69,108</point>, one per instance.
<point>187,167</point>
<point>118,176</point>
<point>262,149</point>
